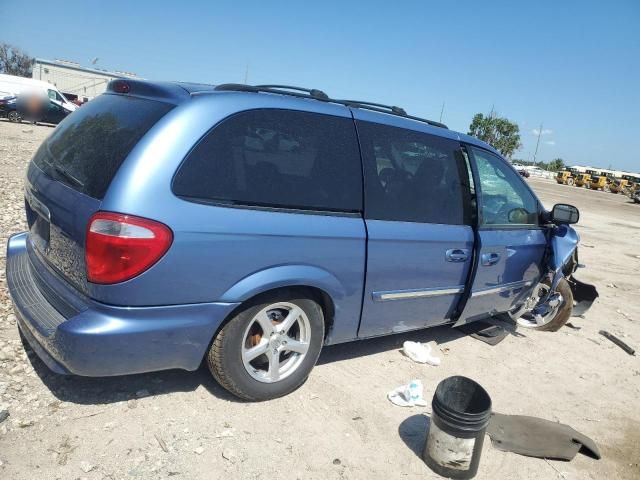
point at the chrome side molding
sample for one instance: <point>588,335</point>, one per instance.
<point>419,293</point>
<point>502,288</point>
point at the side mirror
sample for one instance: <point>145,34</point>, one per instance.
<point>564,214</point>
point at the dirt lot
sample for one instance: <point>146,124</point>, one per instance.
<point>339,424</point>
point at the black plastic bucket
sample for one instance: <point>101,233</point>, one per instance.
<point>461,412</point>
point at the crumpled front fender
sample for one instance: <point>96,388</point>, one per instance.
<point>564,241</point>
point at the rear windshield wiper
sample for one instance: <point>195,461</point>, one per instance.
<point>67,175</point>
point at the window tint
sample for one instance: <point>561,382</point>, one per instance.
<point>87,148</point>
<point>413,177</point>
<point>505,198</point>
<point>277,158</point>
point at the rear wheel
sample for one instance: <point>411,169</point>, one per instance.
<point>268,349</point>
<point>551,316</point>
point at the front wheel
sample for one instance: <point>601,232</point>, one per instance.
<point>552,316</point>
<point>268,349</point>
<point>14,116</point>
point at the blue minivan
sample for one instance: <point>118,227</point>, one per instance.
<point>248,226</point>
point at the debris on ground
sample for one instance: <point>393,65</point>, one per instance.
<point>232,456</point>
<point>420,353</point>
<point>488,333</point>
<point>4,414</point>
<point>24,423</point>
<point>226,433</point>
<point>409,395</point>
<point>618,342</point>
<point>162,443</point>
<point>537,437</point>
<point>86,467</point>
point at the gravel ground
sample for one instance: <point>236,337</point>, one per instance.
<point>339,424</point>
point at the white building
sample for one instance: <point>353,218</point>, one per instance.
<point>75,82</point>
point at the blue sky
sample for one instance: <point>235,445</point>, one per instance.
<point>572,65</point>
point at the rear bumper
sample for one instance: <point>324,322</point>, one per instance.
<point>73,334</point>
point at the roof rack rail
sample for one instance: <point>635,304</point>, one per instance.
<point>377,106</point>
<point>313,92</point>
<point>281,89</point>
<point>320,95</point>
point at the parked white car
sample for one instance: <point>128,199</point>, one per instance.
<point>12,86</point>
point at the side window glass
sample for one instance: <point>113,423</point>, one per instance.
<point>52,94</point>
<point>412,176</point>
<point>505,199</point>
<point>278,158</point>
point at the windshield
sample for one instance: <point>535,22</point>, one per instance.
<point>55,95</point>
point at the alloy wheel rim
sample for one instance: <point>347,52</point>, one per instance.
<point>531,319</point>
<point>276,342</point>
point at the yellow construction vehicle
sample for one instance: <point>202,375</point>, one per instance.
<point>633,185</point>
<point>618,185</point>
<point>566,177</point>
<point>584,179</point>
<point>601,182</point>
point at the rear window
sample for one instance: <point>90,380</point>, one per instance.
<point>87,148</point>
<point>276,158</point>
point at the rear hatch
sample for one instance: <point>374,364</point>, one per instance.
<point>71,172</point>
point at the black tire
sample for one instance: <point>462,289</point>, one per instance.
<point>224,358</point>
<point>14,116</point>
<point>564,313</point>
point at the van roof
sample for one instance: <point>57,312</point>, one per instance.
<point>178,92</point>
<point>27,81</point>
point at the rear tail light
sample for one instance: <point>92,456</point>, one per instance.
<point>119,247</point>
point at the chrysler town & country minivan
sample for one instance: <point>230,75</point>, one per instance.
<point>248,226</point>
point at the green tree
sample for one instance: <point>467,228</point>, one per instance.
<point>498,132</point>
<point>556,164</point>
<point>14,61</point>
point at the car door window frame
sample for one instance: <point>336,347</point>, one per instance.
<point>461,168</point>
<point>479,194</point>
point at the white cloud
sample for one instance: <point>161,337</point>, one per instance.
<point>545,131</point>
<point>550,142</point>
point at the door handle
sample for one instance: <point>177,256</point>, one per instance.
<point>457,255</point>
<point>489,259</point>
